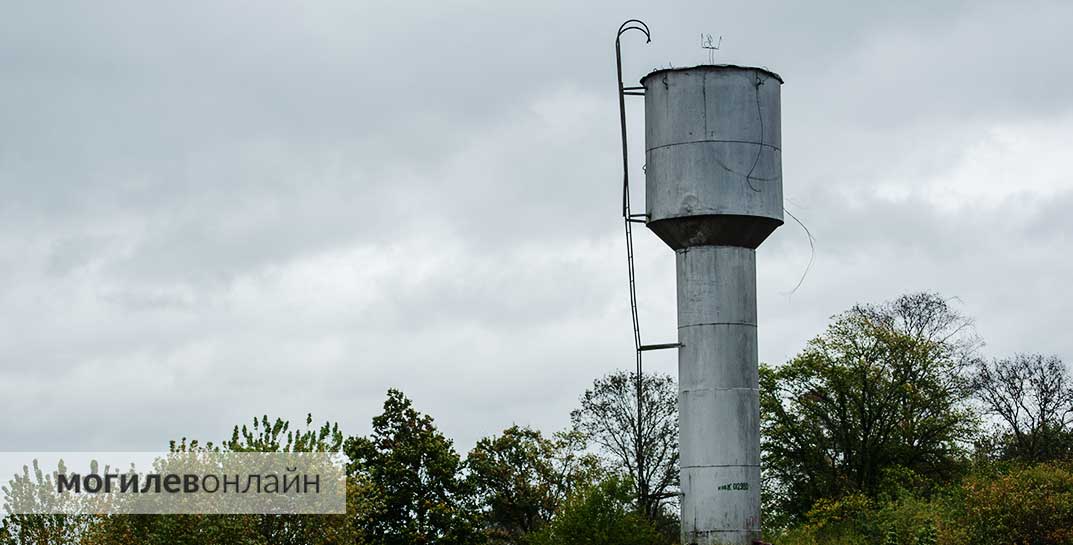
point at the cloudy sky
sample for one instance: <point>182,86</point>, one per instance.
<point>215,210</point>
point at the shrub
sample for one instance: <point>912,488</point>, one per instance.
<point>1026,506</point>
<point>602,514</point>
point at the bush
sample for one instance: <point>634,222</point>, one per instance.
<point>856,520</point>
<point>1026,506</point>
<point>602,514</point>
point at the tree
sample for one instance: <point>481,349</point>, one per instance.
<point>264,435</point>
<point>884,386</point>
<point>600,514</point>
<point>277,436</point>
<point>608,416</point>
<point>413,473</point>
<point>521,478</point>
<point>34,489</point>
<point>1033,397</point>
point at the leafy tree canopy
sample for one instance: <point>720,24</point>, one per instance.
<point>884,386</point>
<point>1032,396</point>
<point>608,417</point>
<point>413,473</point>
<point>521,478</point>
<point>602,514</point>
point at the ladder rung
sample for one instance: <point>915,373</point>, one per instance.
<point>645,348</point>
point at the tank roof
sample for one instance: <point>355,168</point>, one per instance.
<point>714,68</point>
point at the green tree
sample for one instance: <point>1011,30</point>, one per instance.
<point>277,436</point>
<point>884,386</point>
<point>35,487</point>
<point>521,478</point>
<point>608,417</point>
<point>414,474</point>
<point>174,530</point>
<point>263,435</point>
<point>601,514</point>
<point>1032,395</point>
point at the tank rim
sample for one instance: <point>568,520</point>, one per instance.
<point>713,67</point>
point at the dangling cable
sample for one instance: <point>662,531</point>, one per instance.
<point>812,252</point>
<point>760,145</point>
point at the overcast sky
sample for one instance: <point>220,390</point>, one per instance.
<point>215,210</point>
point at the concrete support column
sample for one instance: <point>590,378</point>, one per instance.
<point>719,402</point>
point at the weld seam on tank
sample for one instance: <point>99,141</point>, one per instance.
<point>709,247</point>
<point>704,94</point>
<point>718,389</point>
<point>730,531</point>
<point>720,465</point>
<point>686,143</point>
<point>745,324</point>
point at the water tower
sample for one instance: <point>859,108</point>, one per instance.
<point>713,193</point>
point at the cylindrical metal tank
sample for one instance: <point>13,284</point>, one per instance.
<point>714,193</point>
<point>713,155</point>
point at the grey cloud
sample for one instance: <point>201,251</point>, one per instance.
<point>210,211</point>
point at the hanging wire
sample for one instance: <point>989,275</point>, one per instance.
<point>759,145</point>
<point>749,180</point>
<point>812,252</point>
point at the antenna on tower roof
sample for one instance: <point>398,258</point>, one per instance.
<point>709,43</point>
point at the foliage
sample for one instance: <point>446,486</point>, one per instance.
<point>884,386</point>
<point>608,416</point>
<point>1031,506</point>
<point>521,478</point>
<point>263,435</point>
<point>174,529</point>
<point>414,473</point>
<point>891,537</point>
<point>926,535</point>
<point>857,519</point>
<point>278,437</point>
<point>1033,397</point>
<point>601,514</point>
<point>34,487</point>
<point>844,520</point>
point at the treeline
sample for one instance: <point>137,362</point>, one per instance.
<point>406,484</point>
<point>889,427</point>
